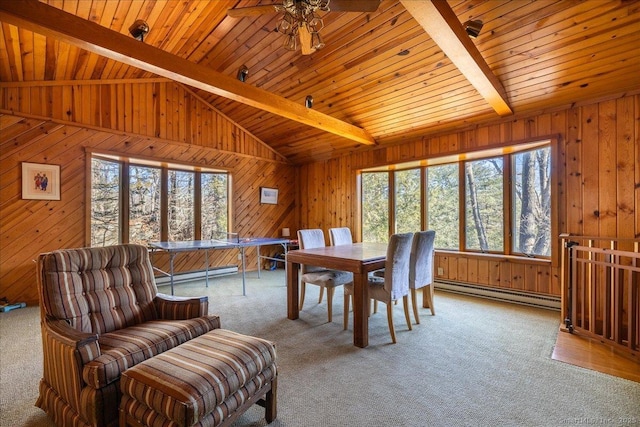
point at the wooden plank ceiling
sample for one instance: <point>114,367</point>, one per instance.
<point>379,71</point>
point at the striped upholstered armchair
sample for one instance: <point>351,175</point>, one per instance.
<point>101,313</point>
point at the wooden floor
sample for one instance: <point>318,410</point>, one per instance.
<point>591,354</point>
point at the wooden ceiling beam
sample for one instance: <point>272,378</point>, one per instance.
<point>443,26</point>
<point>52,22</point>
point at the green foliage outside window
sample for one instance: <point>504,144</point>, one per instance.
<point>375,207</point>
<point>484,203</point>
<point>214,205</point>
<point>407,185</point>
<point>442,205</point>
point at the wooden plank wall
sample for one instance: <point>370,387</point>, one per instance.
<point>30,227</point>
<point>153,107</point>
<point>596,167</point>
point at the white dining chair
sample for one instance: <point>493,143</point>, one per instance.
<point>395,284</point>
<point>421,275</point>
<point>325,278</point>
<point>340,236</point>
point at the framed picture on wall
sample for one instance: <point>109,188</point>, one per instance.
<point>40,181</point>
<point>268,195</point>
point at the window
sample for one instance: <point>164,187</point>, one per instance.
<point>105,202</point>
<point>214,204</point>
<point>484,205</point>
<point>443,205</point>
<point>531,172</point>
<point>375,207</point>
<point>407,203</point>
<point>181,205</point>
<point>496,201</point>
<point>144,204</point>
<point>161,202</point>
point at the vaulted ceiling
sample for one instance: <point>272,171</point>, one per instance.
<point>382,78</point>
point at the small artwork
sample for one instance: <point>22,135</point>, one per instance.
<point>269,196</point>
<point>40,181</point>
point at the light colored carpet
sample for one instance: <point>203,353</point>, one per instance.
<point>476,363</point>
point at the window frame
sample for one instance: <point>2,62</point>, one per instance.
<point>124,209</point>
<point>507,152</point>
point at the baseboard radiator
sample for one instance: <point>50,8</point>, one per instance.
<point>498,294</point>
<point>198,275</point>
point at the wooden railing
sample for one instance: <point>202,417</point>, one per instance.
<point>600,289</point>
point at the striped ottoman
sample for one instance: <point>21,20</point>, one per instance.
<point>207,381</point>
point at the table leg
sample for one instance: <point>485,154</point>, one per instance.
<point>244,267</point>
<point>360,315</point>
<point>284,247</point>
<point>258,259</point>
<point>172,255</point>
<point>206,268</point>
<point>292,290</point>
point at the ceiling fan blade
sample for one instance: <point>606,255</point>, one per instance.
<point>354,5</point>
<point>252,11</point>
<point>305,40</point>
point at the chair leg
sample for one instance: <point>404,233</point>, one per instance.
<point>302,289</point>
<point>405,303</point>
<point>414,303</point>
<point>330,302</point>
<point>347,303</point>
<point>392,330</point>
<point>427,298</point>
<point>321,294</point>
<point>271,402</point>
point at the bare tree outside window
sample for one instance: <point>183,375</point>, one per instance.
<point>532,202</point>
<point>144,210</point>
<point>484,205</point>
<point>144,204</point>
<point>105,202</point>
<point>181,205</point>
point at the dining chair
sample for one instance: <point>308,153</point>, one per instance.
<point>421,275</point>
<point>325,278</point>
<point>340,236</point>
<point>395,284</point>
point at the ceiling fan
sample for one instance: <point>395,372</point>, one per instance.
<point>301,20</point>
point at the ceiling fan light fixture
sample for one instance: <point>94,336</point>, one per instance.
<point>287,24</point>
<point>473,28</point>
<point>298,14</point>
<point>316,41</point>
<point>315,23</point>
<point>291,42</point>
<point>308,101</point>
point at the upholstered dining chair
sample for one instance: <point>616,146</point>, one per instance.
<point>395,284</point>
<point>325,278</point>
<point>421,265</point>
<point>340,236</point>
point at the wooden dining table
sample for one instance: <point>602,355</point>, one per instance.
<point>358,258</point>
